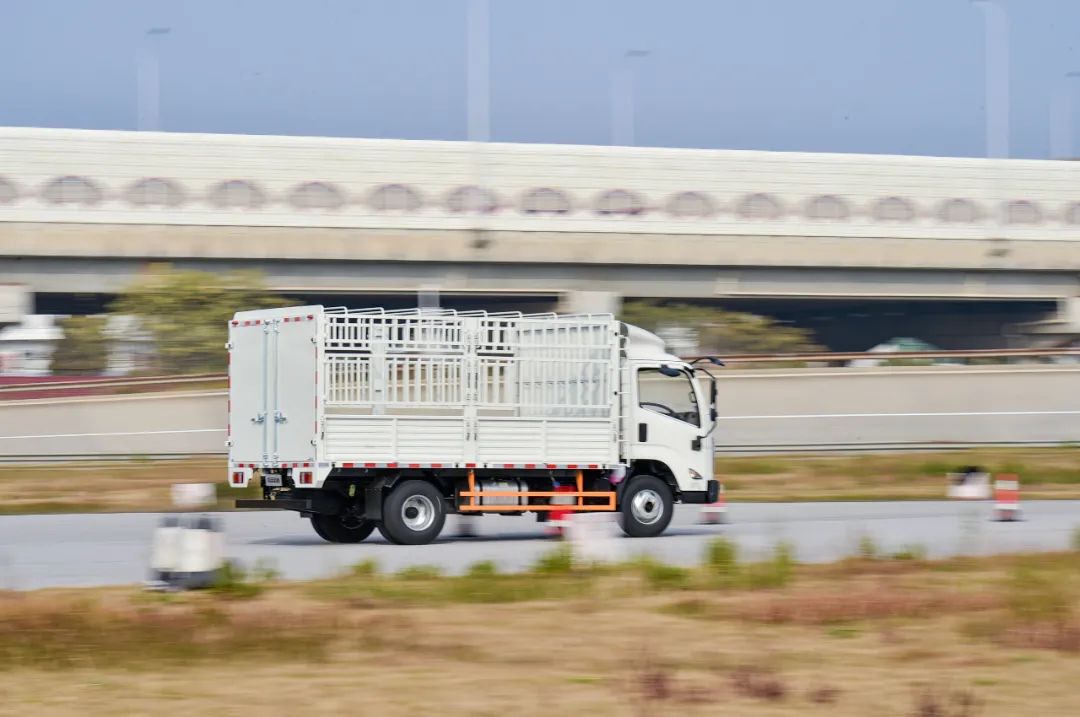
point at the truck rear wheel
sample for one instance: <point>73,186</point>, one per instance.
<point>413,513</point>
<point>647,506</point>
<point>341,528</point>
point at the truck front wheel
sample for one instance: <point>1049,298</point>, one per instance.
<point>341,528</point>
<point>413,513</point>
<point>647,506</point>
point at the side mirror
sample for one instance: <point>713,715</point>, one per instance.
<point>670,372</point>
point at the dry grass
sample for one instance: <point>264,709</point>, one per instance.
<point>114,486</point>
<point>1044,473</point>
<point>144,485</point>
<point>846,642</point>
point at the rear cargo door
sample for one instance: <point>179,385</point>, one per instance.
<point>295,393</point>
<point>249,365</point>
<point>273,381</point>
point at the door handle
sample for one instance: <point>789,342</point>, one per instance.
<point>642,432</point>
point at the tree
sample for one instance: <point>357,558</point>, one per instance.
<point>185,314</point>
<point>83,349</point>
<point>719,331</point>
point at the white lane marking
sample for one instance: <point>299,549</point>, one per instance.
<point>117,433</point>
<point>904,415</point>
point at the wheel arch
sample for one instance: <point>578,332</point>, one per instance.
<point>654,468</point>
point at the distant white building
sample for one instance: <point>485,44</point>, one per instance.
<point>26,348</point>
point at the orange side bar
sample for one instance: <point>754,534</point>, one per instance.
<point>540,507</point>
<point>580,488</point>
<point>472,495</point>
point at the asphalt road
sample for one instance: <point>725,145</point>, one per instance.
<point>38,551</point>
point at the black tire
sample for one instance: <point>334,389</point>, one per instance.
<point>413,513</point>
<point>647,506</point>
<point>341,528</point>
<point>385,534</point>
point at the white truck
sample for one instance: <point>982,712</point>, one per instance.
<point>374,419</point>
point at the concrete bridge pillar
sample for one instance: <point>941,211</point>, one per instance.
<point>590,302</point>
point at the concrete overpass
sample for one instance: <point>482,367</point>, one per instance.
<point>85,211</point>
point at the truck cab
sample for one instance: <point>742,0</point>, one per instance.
<point>670,419</point>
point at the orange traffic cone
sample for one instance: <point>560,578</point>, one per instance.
<point>557,519</point>
<point>1007,498</point>
<point>715,513</point>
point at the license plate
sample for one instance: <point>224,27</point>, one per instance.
<point>272,480</point>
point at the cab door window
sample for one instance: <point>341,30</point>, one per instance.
<point>671,396</point>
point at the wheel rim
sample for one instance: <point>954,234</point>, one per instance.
<point>647,507</point>
<point>418,512</point>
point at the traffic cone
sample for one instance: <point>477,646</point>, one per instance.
<point>555,524</point>
<point>715,513</point>
<point>1007,498</point>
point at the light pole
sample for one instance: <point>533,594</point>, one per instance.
<point>1061,121</point>
<point>997,77</point>
<point>478,71</point>
<point>148,112</point>
<point>622,98</point>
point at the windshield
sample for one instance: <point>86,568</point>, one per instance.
<point>672,396</point>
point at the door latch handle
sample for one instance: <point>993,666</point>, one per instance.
<point>259,418</point>
<point>279,417</point>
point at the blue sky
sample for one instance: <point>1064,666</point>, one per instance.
<point>892,76</point>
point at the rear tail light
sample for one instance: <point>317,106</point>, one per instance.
<point>306,478</point>
<point>238,478</point>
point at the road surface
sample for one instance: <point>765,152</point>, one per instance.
<point>38,551</point>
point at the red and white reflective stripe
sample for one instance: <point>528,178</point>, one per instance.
<point>522,466</point>
<point>274,465</point>
<point>284,319</point>
<point>392,464</point>
<point>553,466</point>
<point>367,464</point>
<point>575,466</point>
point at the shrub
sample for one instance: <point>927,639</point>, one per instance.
<point>420,572</point>
<point>559,561</point>
<point>265,571</point>
<point>232,581</point>
<point>664,577</point>
<point>722,560</point>
<point>365,569</point>
<point>910,552</point>
<point>482,569</point>
<point>867,548</point>
<point>775,572</point>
